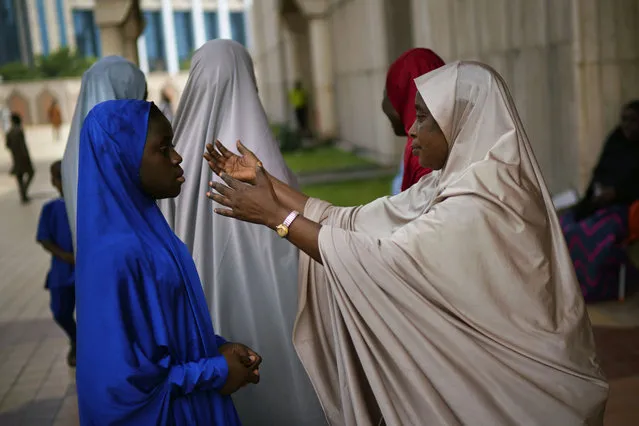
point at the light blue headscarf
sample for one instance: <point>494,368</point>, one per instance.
<point>110,78</point>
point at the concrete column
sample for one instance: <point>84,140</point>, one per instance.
<point>199,35</point>
<point>170,42</point>
<point>248,23</point>
<point>322,64</point>
<point>120,23</point>
<point>144,58</point>
<point>53,29</point>
<point>224,18</point>
<point>34,27</point>
<point>68,17</point>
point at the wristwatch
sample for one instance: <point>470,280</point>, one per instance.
<point>282,229</point>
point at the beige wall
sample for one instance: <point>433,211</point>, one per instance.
<point>529,42</point>
<point>570,64</point>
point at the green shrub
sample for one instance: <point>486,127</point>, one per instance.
<point>59,64</point>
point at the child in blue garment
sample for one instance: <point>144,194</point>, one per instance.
<point>54,235</point>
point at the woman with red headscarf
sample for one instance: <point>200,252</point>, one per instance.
<point>399,103</point>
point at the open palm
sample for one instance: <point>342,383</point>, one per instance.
<point>241,167</point>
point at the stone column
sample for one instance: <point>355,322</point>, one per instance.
<point>53,29</point>
<point>144,57</point>
<point>322,64</point>
<point>170,42</point>
<point>199,34</point>
<point>34,27</point>
<point>120,23</point>
<point>224,19</point>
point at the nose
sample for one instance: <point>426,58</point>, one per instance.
<point>177,158</point>
<point>412,132</point>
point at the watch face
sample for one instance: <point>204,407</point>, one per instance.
<point>282,231</point>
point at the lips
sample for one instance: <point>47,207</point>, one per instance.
<point>180,175</point>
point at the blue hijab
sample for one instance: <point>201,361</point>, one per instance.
<point>146,353</point>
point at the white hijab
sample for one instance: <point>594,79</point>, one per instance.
<point>248,273</point>
<point>454,302</point>
<point>112,77</point>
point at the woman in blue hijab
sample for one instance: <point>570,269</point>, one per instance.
<point>147,353</point>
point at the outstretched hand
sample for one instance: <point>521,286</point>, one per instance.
<point>241,167</point>
<point>256,203</point>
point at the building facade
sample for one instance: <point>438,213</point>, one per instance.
<point>173,29</point>
<point>570,65</point>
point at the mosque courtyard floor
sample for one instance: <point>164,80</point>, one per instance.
<point>37,387</point>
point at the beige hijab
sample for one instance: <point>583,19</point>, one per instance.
<point>455,302</point>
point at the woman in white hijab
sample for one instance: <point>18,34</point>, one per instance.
<point>112,77</point>
<point>256,305</point>
<point>452,303</point>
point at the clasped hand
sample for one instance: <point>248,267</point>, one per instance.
<point>247,192</point>
<point>243,364</point>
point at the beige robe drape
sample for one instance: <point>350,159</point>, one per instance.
<point>454,303</point>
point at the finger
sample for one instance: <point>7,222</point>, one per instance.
<point>225,152</point>
<point>220,199</point>
<point>221,189</point>
<point>213,165</point>
<point>260,175</point>
<point>225,212</point>
<point>244,150</point>
<point>232,182</point>
<point>213,155</point>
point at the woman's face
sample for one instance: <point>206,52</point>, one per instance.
<point>429,142</point>
<point>160,173</point>
<point>630,124</point>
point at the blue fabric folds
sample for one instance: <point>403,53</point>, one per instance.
<point>147,353</point>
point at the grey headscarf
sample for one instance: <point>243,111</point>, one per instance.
<point>110,78</point>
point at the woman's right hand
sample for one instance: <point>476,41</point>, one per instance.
<point>221,160</point>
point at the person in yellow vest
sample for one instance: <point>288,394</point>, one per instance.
<point>299,101</point>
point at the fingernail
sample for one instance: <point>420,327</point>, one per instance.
<point>211,183</point>
<point>208,194</point>
<point>252,358</point>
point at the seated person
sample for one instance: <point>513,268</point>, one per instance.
<point>598,225</point>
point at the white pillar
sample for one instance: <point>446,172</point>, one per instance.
<point>142,55</point>
<point>199,34</point>
<point>322,64</point>
<point>170,42</point>
<point>248,23</point>
<point>224,19</point>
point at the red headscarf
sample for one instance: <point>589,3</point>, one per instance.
<point>401,91</point>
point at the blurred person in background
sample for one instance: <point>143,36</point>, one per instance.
<point>597,227</point>
<point>22,167</point>
<point>54,236</point>
<point>398,104</point>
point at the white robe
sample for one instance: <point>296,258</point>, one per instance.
<point>455,302</point>
<point>248,273</point>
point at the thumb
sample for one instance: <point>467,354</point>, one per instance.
<point>242,149</point>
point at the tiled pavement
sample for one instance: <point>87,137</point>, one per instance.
<point>36,386</point>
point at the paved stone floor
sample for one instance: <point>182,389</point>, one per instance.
<point>36,386</point>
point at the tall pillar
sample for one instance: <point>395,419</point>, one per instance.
<point>143,55</point>
<point>199,35</point>
<point>248,23</point>
<point>120,23</point>
<point>322,64</point>
<point>53,29</point>
<point>34,27</point>
<point>224,19</point>
<point>170,42</point>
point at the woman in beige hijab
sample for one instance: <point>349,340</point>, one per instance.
<point>452,303</point>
